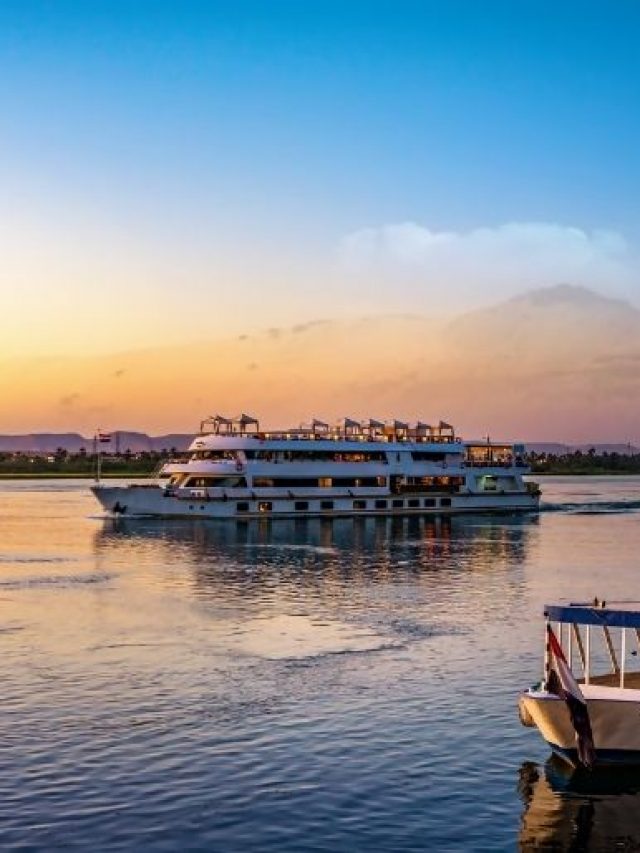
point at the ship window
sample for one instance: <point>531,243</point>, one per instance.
<point>301,505</point>
<point>215,455</point>
<point>265,506</point>
<point>445,502</point>
<point>217,482</point>
<point>429,502</point>
<point>243,506</point>
<point>359,504</point>
<point>326,504</point>
<point>357,481</point>
<point>413,502</point>
<point>398,504</point>
<point>381,504</point>
<point>263,482</point>
<point>428,456</point>
<point>325,482</point>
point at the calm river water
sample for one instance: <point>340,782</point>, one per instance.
<point>296,685</point>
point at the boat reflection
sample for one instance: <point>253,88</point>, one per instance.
<point>573,809</point>
<point>250,555</point>
<point>485,537</point>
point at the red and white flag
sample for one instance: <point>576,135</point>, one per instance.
<point>104,437</point>
<point>561,681</point>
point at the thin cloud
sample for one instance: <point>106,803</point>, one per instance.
<point>436,267</point>
<point>69,400</point>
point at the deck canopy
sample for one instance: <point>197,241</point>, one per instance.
<point>219,425</point>
<point>622,614</point>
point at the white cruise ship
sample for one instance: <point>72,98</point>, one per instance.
<point>233,469</point>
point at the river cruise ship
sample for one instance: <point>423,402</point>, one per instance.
<point>233,469</point>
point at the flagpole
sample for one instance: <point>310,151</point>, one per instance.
<point>98,456</point>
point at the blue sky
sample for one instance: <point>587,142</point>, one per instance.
<point>254,137</point>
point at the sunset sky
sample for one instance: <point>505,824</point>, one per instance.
<point>174,174</point>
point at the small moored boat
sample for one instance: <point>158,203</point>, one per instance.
<point>592,719</point>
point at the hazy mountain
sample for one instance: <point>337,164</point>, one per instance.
<point>558,364</point>
<point>121,441</point>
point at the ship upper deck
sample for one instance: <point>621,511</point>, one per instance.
<point>346,430</point>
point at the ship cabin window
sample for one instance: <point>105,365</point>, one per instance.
<point>317,482</point>
<point>397,503</point>
<point>369,481</point>
<point>489,483</point>
<point>316,456</point>
<point>301,505</point>
<point>215,455</point>
<point>217,482</point>
<point>243,506</point>
<point>359,504</point>
<point>428,456</point>
<point>429,502</point>
<point>489,454</point>
<point>265,506</point>
<point>326,504</point>
<point>381,504</point>
<point>413,503</point>
<point>359,482</point>
<point>445,502</point>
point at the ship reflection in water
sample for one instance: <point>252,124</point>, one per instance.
<point>302,588</point>
<point>242,556</point>
<point>572,809</point>
<point>488,536</point>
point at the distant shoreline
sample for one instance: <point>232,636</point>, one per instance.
<point>57,476</point>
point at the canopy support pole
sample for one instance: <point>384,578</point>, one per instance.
<point>611,650</point>
<point>576,633</point>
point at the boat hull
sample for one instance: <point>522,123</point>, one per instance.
<point>152,500</point>
<point>614,724</point>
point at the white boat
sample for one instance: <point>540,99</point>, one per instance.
<point>233,469</point>
<point>599,641</point>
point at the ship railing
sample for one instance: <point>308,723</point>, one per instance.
<point>301,435</point>
<point>504,462</point>
<point>157,474</point>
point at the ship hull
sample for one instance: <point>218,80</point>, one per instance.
<point>143,500</point>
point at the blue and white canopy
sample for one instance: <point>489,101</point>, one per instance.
<point>616,614</point>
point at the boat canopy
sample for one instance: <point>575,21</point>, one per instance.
<point>220,425</point>
<point>622,614</point>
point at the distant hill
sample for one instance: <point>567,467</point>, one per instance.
<point>136,442</point>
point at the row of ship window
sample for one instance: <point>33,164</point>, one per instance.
<point>318,482</point>
<point>314,456</point>
<point>381,503</point>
